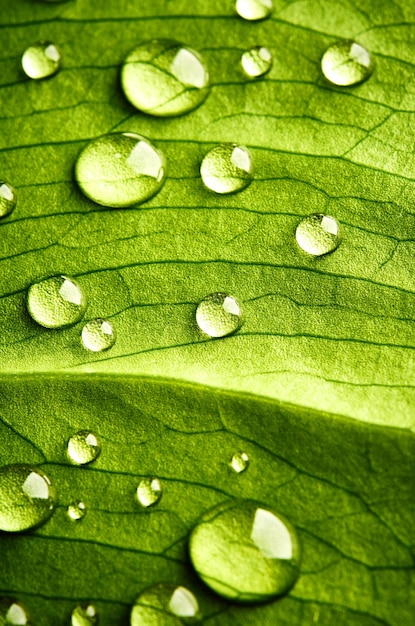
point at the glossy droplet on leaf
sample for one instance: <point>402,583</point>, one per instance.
<point>318,234</point>
<point>41,60</point>
<point>256,62</point>
<point>12,613</point>
<point>346,63</point>
<point>240,462</point>
<point>76,511</point>
<point>56,302</point>
<point>8,199</point>
<point>254,9</point>
<point>83,447</point>
<point>227,168</point>
<point>149,491</point>
<point>84,615</point>
<point>219,314</point>
<point>98,335</point>
<point>164,604</point>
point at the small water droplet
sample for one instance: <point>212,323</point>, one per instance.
<point>83,447</point>
<point>240,462</point>
<point>164,604</point>
<point>346,63</point>
<point>41,60</point>
<point>149,491</point>
<point>245,551</point>
<point>76,511</point>
<point>27,497</point>
<point>227,168</point>
<point>219,314</point>
<point>163,77</point>
<point>8,199</point>
<point>256,62</point>
<point>12,613</point>
<point>84,615</point>
<point>254,9</point>
<point>56,302</point>
<point>120,170</point>
<point>318,234</point>
<point>98,335</point>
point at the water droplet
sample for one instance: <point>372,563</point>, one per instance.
<point>163,77</point>
<point>164,604</point>
<point>41,60</point>
<point>27,497</point>
<point>8,199</point>
<point>83,447</point>
<point>219,314</point>
<point>56,302</point>
<point>76,511</point>
<point>346,63</point>
<point>98,335</point>
<point>84,615</point>
<point>318,234</point>
<point>254,9</point>
<point>12,613</point>
<point>256,62</point>
<point>240,462</point>
<point>120,170</point>
<point>245,551</point>
<point>149,491</point>
<point>227,168</point>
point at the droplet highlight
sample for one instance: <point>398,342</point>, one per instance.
<point>245,551</point>
<point>120,170</point>
<point>41,60</point>
<point>346,63</point>
<point>254,10</point>
<point>164,77</point>
<point>56,302</point>
<point>76,511</point>
<point>149,491</point>
<point>219,314</point>
<point>164,604</point>
<point>318,234</point>
<point>256,62</point>
<point>83,447</point>
<point>12,613</point>
<point>227,168</point>
<point>98,335</point>
<point>8,199</point>
<point>240,462</point>
<point>84,615</point>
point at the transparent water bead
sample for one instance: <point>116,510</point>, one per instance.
<point>227,168</point>
<point>219,314</point>
<point>149,491</point>
<point>120,170</point>
<point>240,462</point>
<point>164,604</point>
<point>256,62</point>
<point>83,447</point>
<point>98,335</point>
<point>245,551</point>
<point>56,302</point>
<point>41,60</point>
<point>164,77</point>
<point>8,199</point>
<point>84,615</point>
<point>318,234</point>
<point>254,9</point>
<point>27,497</point>
<point>76,511</point>
<point>346,63</point>
<point>12,613</point>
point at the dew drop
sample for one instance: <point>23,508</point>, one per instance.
<point>245,551</point>
<point>219,314</point>
<point>98,335</point>
<point>346,63</point>
<point>8,199</point>
<point>256,62</point>
<point>227,168</point>
<point>27,497</point>
<point>164,604</point>
<point>240,462</point>
<point>163,77</point>
<point>56,302</point>
<point>84,615</point>
<point>149,491</point>
<point>318,234</point>
<point>83,447</point>
<point>76,511</point>
<point>254,9</point>
<point>12,613</point>
<point>41,60</point>
<point>120,170</point>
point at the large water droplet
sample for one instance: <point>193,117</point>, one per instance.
<point>149,491</point>
<point>8,199</point>
<point>227,168</point>
<point>27,497</point>
<point>84,615</point>
<point>56,302</point>
<point>256,62</point>
<point>254,9</point>
<point>40,60</point>
<point>12,613</point>
<point>219,314</point>
<point>240,462</point>
<point>318,234</point>
<point>346,63</point>
<point>164,604</point>
<point>98,335</point>
<point>76,511</point>
<point>83,447</point>
<point>164,77</point>
<point>245,551</point>
<point>120,170</point>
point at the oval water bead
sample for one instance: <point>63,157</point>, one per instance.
<point>244,551</point>
<point>256,62</point>
<point>219,314</point>
<point>41,60</point>
<point>27,497</point>
<point>56,302</point>
<point>318,234</point>
<point>227,168</point>
<point>98,335</point>
<point>254,9</point>
<point>76,511</point>
<point>164,604</point>
<point>346,63</point>
<point>149,491</point>
<point>83,447</point>
<point>163,77</point>
<point>240,462</point>
<point>120,170</point>
<point>12,613</point>
<point>84,615</point>
<point>8,199</point>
